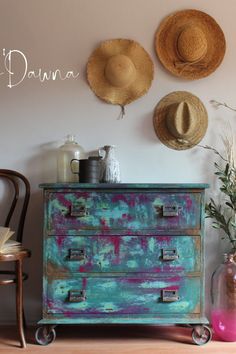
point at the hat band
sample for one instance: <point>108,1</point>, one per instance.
<point>190,65</point>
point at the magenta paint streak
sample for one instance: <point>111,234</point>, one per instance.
<point>70,313</point>
<point>173,287</point>
<point>128,199</point>
<point>132,280</point>
<point>104,225</point>
<point>157,270</point>
<point>84,283</point>
<point>86,268</point>
<point>116,242</point>
<point>144,243</point>
<point>174,279</point>
<point>82,269</point>
<point>60,241</point>
<point>51,304</point>
<point>143,198</point>
<point>132,310</point>
<point>166,239</point>
<point>171,268</point>
<point>119,197</point>
<point>189,203</point>
<point>127,217</point>
<point>132,201</point>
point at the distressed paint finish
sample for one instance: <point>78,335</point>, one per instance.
<point>123,234</point>
<point>124,319</point>
<point>123,295</point>
<point>130,212</point>
<point>123,254</point>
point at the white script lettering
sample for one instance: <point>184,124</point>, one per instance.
<point>15,80</point>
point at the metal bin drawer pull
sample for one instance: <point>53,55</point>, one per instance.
<point>169,295</point>
<point>77,295</point>
<point>78,211</point>
<point>169,255</point>
<point>77,254</point>
<point>170,210</point>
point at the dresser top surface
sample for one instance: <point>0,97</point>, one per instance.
<point>124,186</point>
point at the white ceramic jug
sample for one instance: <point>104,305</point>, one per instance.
<point>110,167</point>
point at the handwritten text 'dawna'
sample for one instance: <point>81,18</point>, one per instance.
<point>15,78</point>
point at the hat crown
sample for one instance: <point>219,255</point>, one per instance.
<point>120,71</point>
<point>181,120</point>
<point>191,44</point>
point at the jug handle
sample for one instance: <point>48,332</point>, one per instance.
<point>101,153</point>
<point>71,166</point>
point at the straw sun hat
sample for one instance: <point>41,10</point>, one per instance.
<point>119,71</point>
<point>190,44</point>
<point>180,120</point>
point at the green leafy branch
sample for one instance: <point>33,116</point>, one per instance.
<point>218,213</point>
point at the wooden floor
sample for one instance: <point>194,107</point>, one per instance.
<point>113,340</point>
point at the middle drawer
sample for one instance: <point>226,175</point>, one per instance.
<point>154,254</point>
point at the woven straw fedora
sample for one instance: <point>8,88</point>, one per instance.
<point>119,71</point>
<point>180,120</point>
<point>190,44</point>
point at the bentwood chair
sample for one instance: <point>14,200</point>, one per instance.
<point>19,187</point>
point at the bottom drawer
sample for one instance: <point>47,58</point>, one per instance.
<point>123,295</point>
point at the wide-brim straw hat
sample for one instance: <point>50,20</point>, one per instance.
<point>180,120</point>
<point>119,71</point>
<point>190,44</point>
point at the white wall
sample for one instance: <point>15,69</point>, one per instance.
<point>36,116</point>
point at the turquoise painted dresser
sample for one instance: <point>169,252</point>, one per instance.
<point>123,254</point>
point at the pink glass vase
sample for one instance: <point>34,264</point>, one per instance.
<point>223,291</point>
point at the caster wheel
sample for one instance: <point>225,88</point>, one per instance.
<point>201,334</point>
<point>45,335</point>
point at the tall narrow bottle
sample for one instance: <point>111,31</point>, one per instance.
<point>68,151</point>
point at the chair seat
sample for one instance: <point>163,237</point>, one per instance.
<point>9,277</point>
<point>15,256</point>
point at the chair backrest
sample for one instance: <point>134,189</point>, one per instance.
<point>21,188</point>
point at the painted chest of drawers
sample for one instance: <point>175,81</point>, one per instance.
<point>123,253</point>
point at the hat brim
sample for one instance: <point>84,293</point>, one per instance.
<point>160,116</point>
<point>166,37</point>
<point>96,68</point>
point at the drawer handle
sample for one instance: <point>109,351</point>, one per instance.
<point>170,210</point>
<point>77,254</point>
<point>169,295</point>
<point>78,211</point>
<point>169,255</point>
<point>77,295</point>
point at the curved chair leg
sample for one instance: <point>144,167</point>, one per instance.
<point>19,303</point>
<point>24,320</point>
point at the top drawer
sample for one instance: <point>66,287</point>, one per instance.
<point>96,212</point>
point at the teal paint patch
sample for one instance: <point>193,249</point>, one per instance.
<point>151,244</point>
<point>109,254</point>
<point>124,295</point>
<point>132,264</point>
